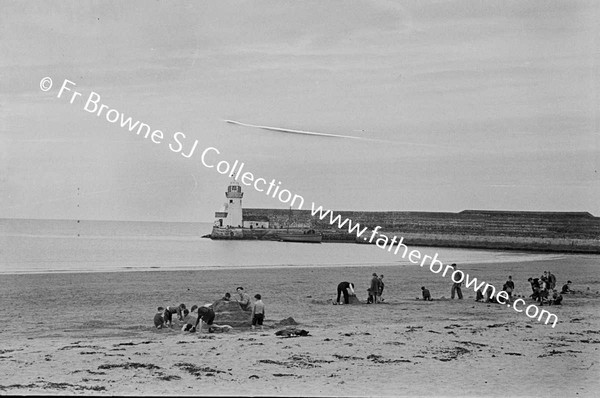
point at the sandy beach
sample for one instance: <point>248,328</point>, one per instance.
<point>158,153</point>
<point>92,334</point>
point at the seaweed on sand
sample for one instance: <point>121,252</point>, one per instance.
<point>48,385</point>
<point>379,359</point>
<point>129,365</point>
<point>198,371</point>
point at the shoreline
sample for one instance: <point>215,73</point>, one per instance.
<point>195,268</point>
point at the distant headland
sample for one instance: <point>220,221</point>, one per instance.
<point>569,232</point>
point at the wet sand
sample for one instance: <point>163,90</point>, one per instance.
<point>92,334</point>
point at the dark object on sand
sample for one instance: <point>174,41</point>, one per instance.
<point>189,328</point>
<point>293,332</point>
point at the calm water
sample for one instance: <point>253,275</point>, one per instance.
<point>34,246</point>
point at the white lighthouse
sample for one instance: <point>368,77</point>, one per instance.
<point>231,213</point>
<point>234,204</point>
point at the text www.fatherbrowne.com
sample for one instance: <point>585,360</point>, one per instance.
<point>395,245</point>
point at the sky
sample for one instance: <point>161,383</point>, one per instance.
<point>489,105</point>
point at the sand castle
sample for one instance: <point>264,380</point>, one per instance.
<point>230,313</point>
<point>352,299</point>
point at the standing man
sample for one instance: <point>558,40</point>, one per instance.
<point>509,287</point>
<point>551,280</point>
<point>544,278</point>
<point>543,290</point>
<point>456,288</point>
<point>342,288</point>
<point>374,289</point>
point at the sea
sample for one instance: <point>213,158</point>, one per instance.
<point>54,246</point>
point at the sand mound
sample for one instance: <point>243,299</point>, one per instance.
<point>286,322</point>
<point>353,299</point>
<point>230,313</point>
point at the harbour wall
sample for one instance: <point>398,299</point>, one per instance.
<point>574,232</point>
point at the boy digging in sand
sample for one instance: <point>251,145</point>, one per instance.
<point>188,320</point>
<point>205,315</point>
<point>169,311</point>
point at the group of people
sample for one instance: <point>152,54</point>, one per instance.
<point>508,288</point>
<point>544,290</point>
<point>164,317</point>
<point>542,287</point>
<point>374,291</point>
<point>206,314</point>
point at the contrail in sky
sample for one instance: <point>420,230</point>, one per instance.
<point>290,131</point>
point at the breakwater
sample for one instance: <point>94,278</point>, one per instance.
<point>575,232</point>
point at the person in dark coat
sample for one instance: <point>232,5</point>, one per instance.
<point>551,280</point>
<point>426,294</point>
<point>374,289</point>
